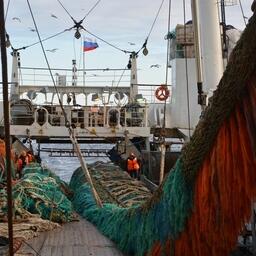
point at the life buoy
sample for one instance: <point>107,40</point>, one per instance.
<point>162,93</point>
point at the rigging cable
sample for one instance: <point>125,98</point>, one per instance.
<point>91,9</point>
<point>78,25</point>
<point>186,66</point>
<point>7,9</point>
<point>121,77</point>
<point>30,246</point>
<point>45,39</point>
<point>66,10</point>
<point>106,42</point>
<point>152,26</point>
<point>70,130</point>
<point>167,57</point>
<point>242,10</point>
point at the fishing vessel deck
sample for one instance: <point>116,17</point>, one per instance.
<point>73,239</point>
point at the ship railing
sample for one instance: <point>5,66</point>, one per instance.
<point>80,116</point>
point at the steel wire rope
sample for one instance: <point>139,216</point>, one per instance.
<point>152,26</point>
<point>7,9</point>
<point>66,10</point>
<point>6,13</point>
<point>186,66</point>
<point>106,42</point>
<point>242,10</point>
<point>31,247</point>
<point>45,39</point>
<point>120,78</point>
<point>154,22</point>
<point>94,6</point>
<point>70,130</point>
<point>167,56</point>
<point>46,59</point>
<point>79,25</point>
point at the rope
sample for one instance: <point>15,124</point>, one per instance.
<point>91,9</point>
<point>7,9</point>
<point>167,57</point>
<point>186,67</point>
<point>153,24</point>
<point>66,11</point>
<point>47,38</point>
<point>242,10</point>
<point>168,42</point>
<point>106,42</point>
<point>31,247</point>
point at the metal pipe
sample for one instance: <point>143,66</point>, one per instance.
<point>6,125</point>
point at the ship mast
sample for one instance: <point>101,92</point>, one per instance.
<point>134,79</point>
<point>15,75</point>
<point>210,44</point>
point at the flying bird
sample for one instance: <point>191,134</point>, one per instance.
<point>16,18</point>
<point>52,50</point>
<point>130,43</point>
<point>32,29</point>
<point>155,66</point>
<point>54,16</point>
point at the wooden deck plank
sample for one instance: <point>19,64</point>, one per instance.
<point>73,239</point>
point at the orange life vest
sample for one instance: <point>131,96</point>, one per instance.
<point>132,164</point>
<point>30,158</point>
<point>19,164</point>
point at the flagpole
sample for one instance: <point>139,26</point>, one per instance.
<point>83,62</point>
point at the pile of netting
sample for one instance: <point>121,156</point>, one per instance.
<point>40,202</point>
<point>29,227</point>
<point>41,192</point>
<point>112,184</point>
<point>205,200</point>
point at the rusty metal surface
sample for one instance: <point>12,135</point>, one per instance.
<point>73,239</point>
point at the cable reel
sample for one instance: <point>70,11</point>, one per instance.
<point>162,93</point>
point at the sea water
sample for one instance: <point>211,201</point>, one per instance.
<point>65,166</point>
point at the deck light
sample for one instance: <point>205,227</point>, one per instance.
<point>77,34</point>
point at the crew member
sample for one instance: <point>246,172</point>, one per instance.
<point>133,166</point>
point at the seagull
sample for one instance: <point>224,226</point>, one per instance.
<point>32,29</point>
<point>155,66</point>
<point>52,50</point>
<point>130,43</point>
<point>16,18</point>
<point>54,16</point>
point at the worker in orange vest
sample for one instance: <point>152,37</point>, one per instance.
<point>133,166</point>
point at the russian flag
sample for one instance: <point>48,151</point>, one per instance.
<point>89,46</point>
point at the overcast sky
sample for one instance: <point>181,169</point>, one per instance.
<point>116,21</point>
